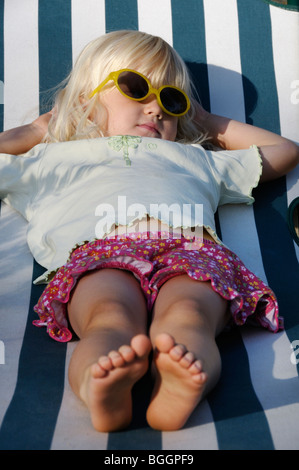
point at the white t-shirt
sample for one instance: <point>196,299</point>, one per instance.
<point>71,192</point>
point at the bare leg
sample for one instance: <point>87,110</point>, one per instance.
<point>108,313</point>
<point>187,317</point>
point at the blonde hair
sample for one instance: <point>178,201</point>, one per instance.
<point>148,54</point>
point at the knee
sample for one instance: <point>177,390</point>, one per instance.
<point>106,297</point>
<point>190,303</point>
<point>105,315</point>
<point>185,312</point>
<point>179,307</point>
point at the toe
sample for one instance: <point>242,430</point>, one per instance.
<point>127,354</point>
<point>196,367</point>
<point>105,363</point>
<point>116,358</point>
<point>97,371</point>
<point>141,345</point>
<point>164,342</point>
<point>187,360</point>
<point>178,352</point>
<point>200,378</point>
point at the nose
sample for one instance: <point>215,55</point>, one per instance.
<point>151,106</point>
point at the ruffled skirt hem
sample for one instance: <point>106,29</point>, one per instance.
<point>153,261</point>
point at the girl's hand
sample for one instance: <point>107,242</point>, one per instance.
<point>201,115</point>
<point>279,155</point>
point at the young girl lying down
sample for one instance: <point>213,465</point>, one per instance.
<point>122,150</point>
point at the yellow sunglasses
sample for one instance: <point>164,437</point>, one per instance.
<point>134,85</point>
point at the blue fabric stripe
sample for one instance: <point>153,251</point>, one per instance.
<point>189,40</point>
<point>30,419</point>
<point>121,15</point>
<point>55,46</point>
<point>234,413</point>
<point>240,421</point>
<point>270,208</point>
<point>278,252</point>
<point>257,65</point>
<point>239,418</point>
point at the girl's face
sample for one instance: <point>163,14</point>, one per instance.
<point>142,118</point>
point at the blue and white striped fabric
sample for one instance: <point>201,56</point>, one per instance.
<point>243,56</point>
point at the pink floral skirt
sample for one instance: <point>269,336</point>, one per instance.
<point>153,260</point>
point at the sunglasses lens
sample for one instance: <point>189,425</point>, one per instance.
<point>132,85</point>
<point>135,86</point>
<point>173,100</point>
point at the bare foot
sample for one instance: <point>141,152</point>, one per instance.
<point>179,384</point>
<point>107,387</point>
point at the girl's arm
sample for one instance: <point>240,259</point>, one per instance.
<point>21,139</point>
<point>279,154</point>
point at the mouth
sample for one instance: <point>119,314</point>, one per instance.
<point>150,127</point>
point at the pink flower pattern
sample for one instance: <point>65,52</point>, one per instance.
<point>154,259</point>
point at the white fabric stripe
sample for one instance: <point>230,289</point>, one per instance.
<point>285,32</point>
<point>239,233</point>
<point>74,429</point>
<point>285,37</point>
<point>199,434</point>
<point>16,266</point>
<point>154,17</point>
<point>223,58</point>
<point>227,99</point>
<point>275,382</point>
<point>88,22</point>
<point>21,77</point>
<point>226,93</point>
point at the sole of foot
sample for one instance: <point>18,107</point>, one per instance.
<point>108,384</point>
<point>179,384</point>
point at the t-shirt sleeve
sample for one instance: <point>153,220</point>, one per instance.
<point>18,176</point>
<point>237,173</point>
